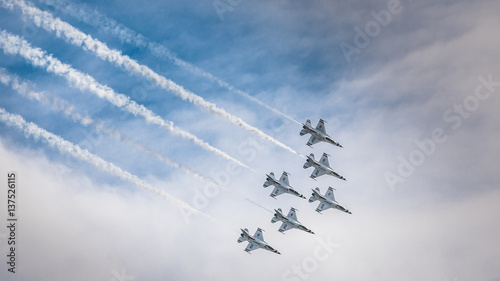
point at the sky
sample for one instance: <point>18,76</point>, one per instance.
<point>409,88</point>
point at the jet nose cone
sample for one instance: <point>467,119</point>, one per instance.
<point>340,145</point>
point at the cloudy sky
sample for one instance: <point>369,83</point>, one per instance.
<point>408,88</point>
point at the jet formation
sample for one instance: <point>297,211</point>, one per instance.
<point>281,186</point>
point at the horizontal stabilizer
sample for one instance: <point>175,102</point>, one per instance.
<point>274,219</point>
<point>308,162</point>
<point>308,123</point>
<point>243,237</point>
<point>313,197</point>
<point>269,182</point>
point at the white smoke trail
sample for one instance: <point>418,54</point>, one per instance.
<point>25,89</point>
<point>74,36</point>
<point>258,205</point>
<point>127,35</point>
<point>13,44</point>
<point>166,160</point>
<point>66,147</point>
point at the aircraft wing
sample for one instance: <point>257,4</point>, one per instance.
<point>329,194</point>
<point>322,206</point>
<point>284,179</point>
<point>316,173</point>
<point>252,246</point>
<point>285,226</point>
<point>258,234</point>
<point>324,160</point>
<point>321,126</point>
<point>313,140</point>
<point>292,214</point>
<point>277,191</point>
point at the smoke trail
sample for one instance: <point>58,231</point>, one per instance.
<point>56,104</point>
<point>258,205</point>
<point>13,44</point>
<point>74,36</point>
<point>66,147</point>
<point>127,35</point>
<point>166,160</point>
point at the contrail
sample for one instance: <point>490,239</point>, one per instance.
<point>56,104</point>
<point>13,44</point>
<point>74,36</point>
<point>66,147</point>
<point>129,36</point>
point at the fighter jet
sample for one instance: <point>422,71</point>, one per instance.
<point>327,201</point>
<point>256,241</point>
<point>318,134</point>
<point>281,186</point>
<point>320,168</point>
<point>289,222</point>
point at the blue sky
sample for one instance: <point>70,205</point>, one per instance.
<point>435,220</point>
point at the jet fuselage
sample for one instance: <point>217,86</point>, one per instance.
<point>329,202</point>
<point>245,236</point>
<point>285,188</point>
<point>324,168</point>
<point>324,137</point>
<point>278,216</point>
